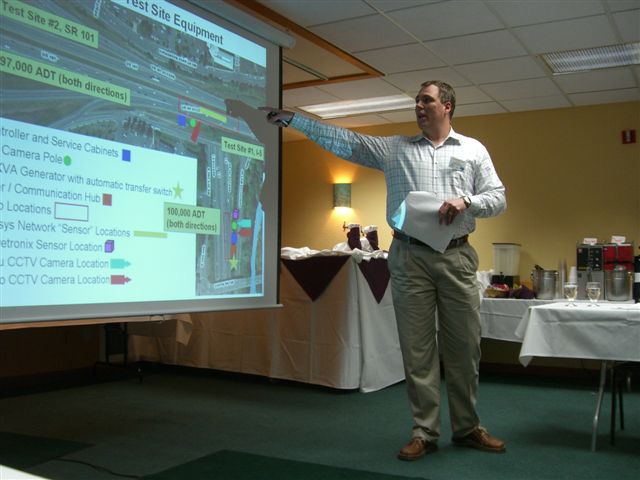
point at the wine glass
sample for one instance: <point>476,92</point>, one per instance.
<point>570,291</point>
<point>593,292</point>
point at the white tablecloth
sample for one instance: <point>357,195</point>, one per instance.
<point>501,316</point>
<point>606,332</point>
<point>344,339</point>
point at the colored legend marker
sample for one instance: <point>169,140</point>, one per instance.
<point>107,199</point>
<point>142,233</point>
<point>119,280</point>
<point>67,160</point>
<point>182,120</point>
<point>109,246</point>
<point>196,131</point>
<point>119,263</point>
<point>177,191</point>
<point>126,155</point>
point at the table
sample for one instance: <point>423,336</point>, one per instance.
<point>499,317</point>
<point>343,339</point>
<point>339,337</point>
<point>608,332</point>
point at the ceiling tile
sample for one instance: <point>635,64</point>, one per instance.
<point>487,108</point>
<point>400,117</point>
<point>486,49</point>
<point>617,5</point>
<point>390,5</point>
<point>517,13</point>
<point>359,121</point>
<point>537,87</point>
<point>411,81</point>
<point>611,96</point>
<point>456,17</point>
<point>306,96</point>
<point>502,70</point>
<point>400,59</point>
<point>567,35</point>
<point>478,47</point>
<point>364,33</point>
<point>314,12</point>
<point>540,103</point>
<point>610,79</point>
<point>374,87</point>
<point>628,24</point>
<point>291,74</point>
<point>319,59</point>
<point>470,95</point>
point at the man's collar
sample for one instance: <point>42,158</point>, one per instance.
<point>453,136</point>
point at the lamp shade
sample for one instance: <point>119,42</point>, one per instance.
<point>342,195</point>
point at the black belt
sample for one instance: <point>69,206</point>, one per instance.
<point>456,242</point>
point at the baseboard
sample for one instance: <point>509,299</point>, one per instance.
<point>35,382</point>
<point>585,373</point>
<point>24,384</point>
<point>42,382</point>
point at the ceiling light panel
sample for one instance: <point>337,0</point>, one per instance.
<point>593,58</point>
<point>357,107</point>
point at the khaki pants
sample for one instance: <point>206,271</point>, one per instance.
<point>423,281</point>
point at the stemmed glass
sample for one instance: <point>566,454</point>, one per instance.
<point>593,292</point>
<point>570,291</point>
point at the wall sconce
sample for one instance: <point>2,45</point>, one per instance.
<point>342,195</point>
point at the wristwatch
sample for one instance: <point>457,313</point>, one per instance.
<point>467,201</point>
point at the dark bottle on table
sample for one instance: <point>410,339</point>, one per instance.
<point>636,278</point>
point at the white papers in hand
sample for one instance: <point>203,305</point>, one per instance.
<point>418,217</point>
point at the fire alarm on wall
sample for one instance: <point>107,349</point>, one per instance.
<point>628,136</point>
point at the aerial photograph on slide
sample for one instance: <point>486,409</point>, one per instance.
<point>145,75</point>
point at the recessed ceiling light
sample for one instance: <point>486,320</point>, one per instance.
<point>610,56</point>
<point>357,107</point>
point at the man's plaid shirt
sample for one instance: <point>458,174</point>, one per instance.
<point>460,166</point>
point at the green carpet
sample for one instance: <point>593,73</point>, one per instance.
<point>24,451</point>
<point>170,426</point>
<point>227,464</point>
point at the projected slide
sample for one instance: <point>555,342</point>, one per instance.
<point>123,177</point>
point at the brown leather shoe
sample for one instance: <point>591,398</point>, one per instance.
<point>416,449</point>
<point>479,438</point>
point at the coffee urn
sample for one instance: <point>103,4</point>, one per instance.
<point>589,266</point>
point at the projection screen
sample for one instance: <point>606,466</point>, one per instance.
<point>137,176</point>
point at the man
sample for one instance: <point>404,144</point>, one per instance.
<point>459,171</point>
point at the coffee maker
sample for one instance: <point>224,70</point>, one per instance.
<point>589,266</point>
<point>618,271</point>
<point>593,261</point>
<point>617,254</point>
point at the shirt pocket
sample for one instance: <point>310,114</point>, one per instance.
<point>461,176</point>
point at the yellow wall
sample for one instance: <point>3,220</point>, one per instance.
<point>566,172</point>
